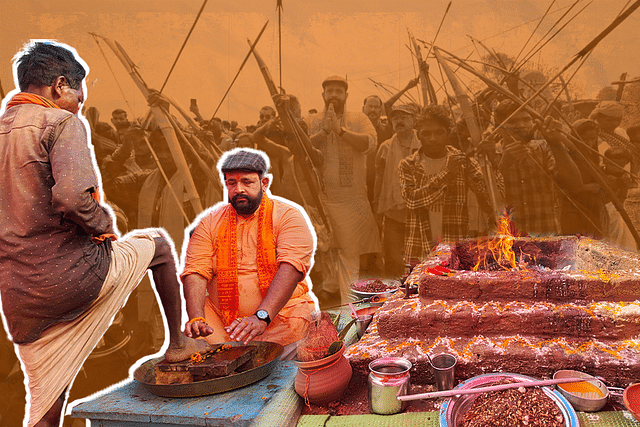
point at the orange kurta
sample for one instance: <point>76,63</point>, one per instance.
<point>294,245</point>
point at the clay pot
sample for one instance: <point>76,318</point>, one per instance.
<point>325,380</point>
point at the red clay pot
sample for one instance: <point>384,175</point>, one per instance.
<point>325,380</point>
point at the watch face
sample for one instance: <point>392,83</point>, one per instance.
<point>262,314</point>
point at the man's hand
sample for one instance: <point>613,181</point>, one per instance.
<point>275,125</point>
<point>331,123</point>
<point>454,163</point>
<point>197,328</point>
<point>156,99</point>
<point>625,181</point>
<point>592,189</point>
<point>281,99</point>
<point>246,328</point>
<point>487,145</point>
<point>551,131</point>
<point>194,108</point>
<point>513,149</point>
<point>413,83</point>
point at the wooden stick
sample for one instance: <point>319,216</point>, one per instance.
<point>183,45</point>
<point>448,393</point>
<point>588,48</point>
<point>244,61</point>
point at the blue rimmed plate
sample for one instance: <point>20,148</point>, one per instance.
<point>454,408</point>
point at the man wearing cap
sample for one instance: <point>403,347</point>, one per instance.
<point>344,138</point>
<point>246,261</point>
<point>608,115</point>
<point>374,108</point>
<point>388,200</point>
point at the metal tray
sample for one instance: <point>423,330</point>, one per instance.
<point>392,286</point>
<point>454,408</point>
<point>260,366</point>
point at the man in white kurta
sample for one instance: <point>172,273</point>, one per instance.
<point>344,138</point>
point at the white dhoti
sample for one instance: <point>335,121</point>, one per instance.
<point>52,361</point>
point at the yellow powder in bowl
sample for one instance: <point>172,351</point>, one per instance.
<point>583,389</point>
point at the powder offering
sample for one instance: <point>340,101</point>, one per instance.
<point>526,407</point>
<point>583,389</point>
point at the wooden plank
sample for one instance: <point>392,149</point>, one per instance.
<point>129,402</point>
<point>132,405</point>
<point>238,407</point>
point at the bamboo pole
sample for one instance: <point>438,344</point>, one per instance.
<point>472,125</point>
<point>596,175</point>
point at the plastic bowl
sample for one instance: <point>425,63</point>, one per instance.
<point>586,402</point>
<point>631,397</point>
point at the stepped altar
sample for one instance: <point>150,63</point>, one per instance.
<point>523,305</point>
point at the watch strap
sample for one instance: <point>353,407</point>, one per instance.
<point>266,319</point>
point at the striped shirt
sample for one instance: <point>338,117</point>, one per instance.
<point>530,191</point>
<point>421,189</point>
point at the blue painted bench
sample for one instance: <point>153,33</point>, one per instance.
<point>271,401</point>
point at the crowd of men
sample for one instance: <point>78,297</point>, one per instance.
<point>379,189</point>
<point>396,178</point>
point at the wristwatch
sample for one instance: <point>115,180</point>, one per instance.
<point>264,316</point>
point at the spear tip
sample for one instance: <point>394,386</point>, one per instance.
<point>448,6</point>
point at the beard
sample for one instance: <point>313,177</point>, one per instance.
<point>338,105</point>
<point>249,207</point>
<point>373,116</point>
<point>524,135</point>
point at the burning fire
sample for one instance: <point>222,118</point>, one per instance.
<point>499,251</point>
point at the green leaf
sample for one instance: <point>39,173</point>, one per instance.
<point>343,332</point>
<point>336,318</point>
<point>334,347</point>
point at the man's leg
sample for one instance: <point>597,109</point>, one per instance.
<point>53,360</point>
<point>53,415</point>
<point>166,282</point>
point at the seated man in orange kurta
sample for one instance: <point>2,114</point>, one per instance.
<point>246,261</point>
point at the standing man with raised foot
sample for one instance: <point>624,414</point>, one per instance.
<point>64,272</point>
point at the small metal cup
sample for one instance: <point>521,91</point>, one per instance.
<point>443,370</point>
<point>362,323</point>
<point>388,378</point>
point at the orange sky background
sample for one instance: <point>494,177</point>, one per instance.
<point>361,39</point>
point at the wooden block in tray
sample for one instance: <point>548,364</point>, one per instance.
<point>219,363</point>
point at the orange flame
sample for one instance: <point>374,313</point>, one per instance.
<point>499,248</point>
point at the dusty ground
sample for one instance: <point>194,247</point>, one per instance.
<point>355,401</point>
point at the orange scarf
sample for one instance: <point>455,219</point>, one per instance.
<point>30,98</point>
<point>227,257</point>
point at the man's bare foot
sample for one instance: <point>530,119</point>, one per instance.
<point>177,353</point>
